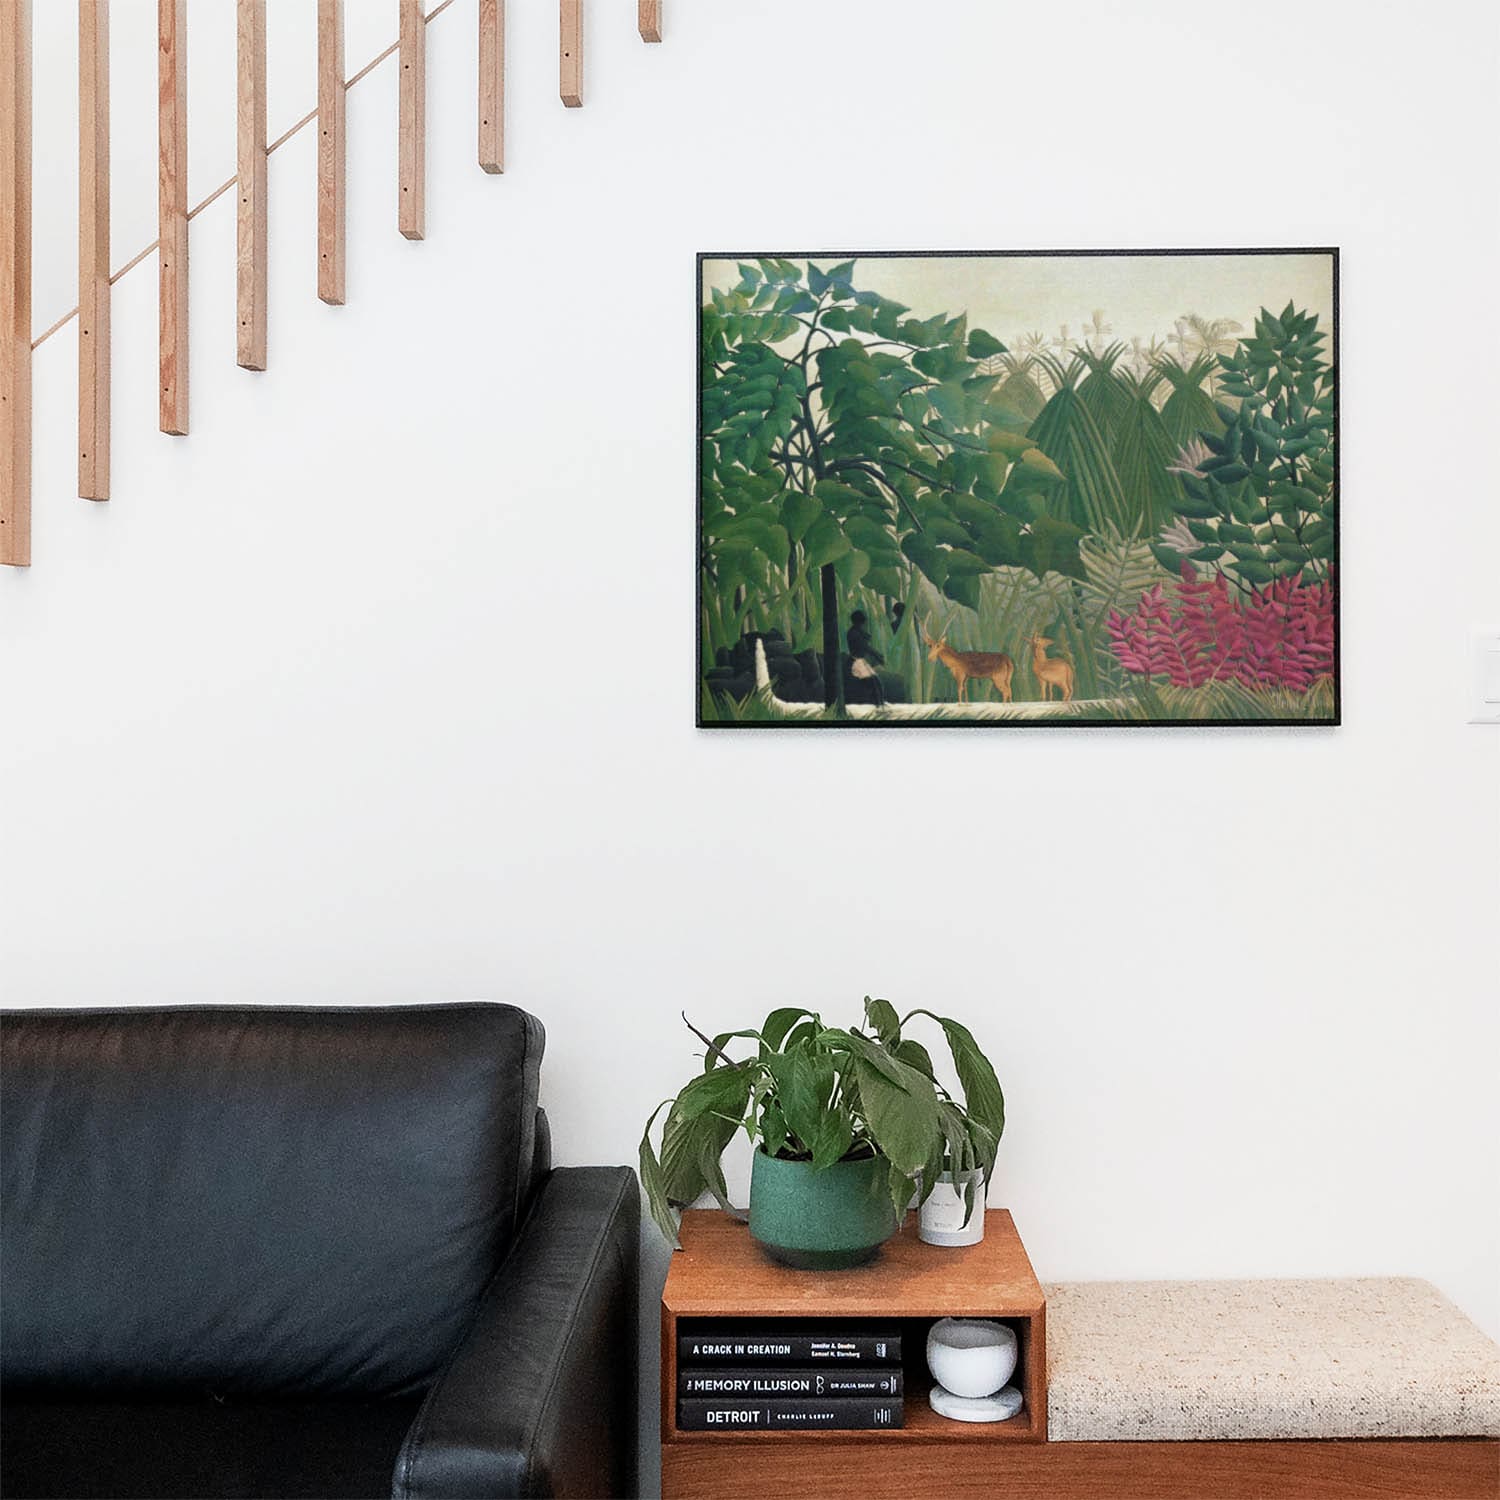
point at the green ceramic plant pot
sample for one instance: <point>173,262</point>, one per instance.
<point>821,1221</point>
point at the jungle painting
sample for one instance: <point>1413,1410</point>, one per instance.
<point>1018,488</point>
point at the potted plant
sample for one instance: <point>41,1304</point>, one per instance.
<point>846,1125</point>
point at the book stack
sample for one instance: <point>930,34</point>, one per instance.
<point>829,1378</point>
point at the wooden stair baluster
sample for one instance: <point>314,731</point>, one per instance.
<point>412,148</point>
<point>492,85</point>
<point>15,282</point>
<point>251,222</point>
<point>570,52</point>
<point>331,151</point>
<point>172,213</point>
<point>93,250</point>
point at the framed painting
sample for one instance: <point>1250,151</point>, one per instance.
<point>1018,488</point>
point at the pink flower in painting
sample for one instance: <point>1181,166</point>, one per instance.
<point>1279,636</point>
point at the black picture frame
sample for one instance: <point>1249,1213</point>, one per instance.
<point>1333,721</point>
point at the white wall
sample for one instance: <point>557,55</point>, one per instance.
<point>379,686</point>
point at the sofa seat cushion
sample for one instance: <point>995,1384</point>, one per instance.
<point>1163,1360</point>
<point>335,1450</point>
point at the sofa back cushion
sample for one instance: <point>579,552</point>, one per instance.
<point>246,1200</point>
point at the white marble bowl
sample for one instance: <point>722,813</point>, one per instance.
<point>971,1356</point>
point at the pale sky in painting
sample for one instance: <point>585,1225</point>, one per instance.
<point>1140,295</point>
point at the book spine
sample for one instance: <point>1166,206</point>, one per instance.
<point>845,1413</point>
<point>817,1382</point>
<point>795,1349</point>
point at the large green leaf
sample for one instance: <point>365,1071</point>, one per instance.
<point>938,527</point>
<point>982,1093</point>
<point>881,1016</point>
<point>836,496</point>
<point>984,345</point>
<point>687,1146</point>
<point>1013,445</point>
<point>715,1056</point>
<point>779,1023</point>
<point>1035,470</point>
<point>701,1122</point>
<point>914,1055</point>
<point>653,1182</point>
<point>871,536</point>
<point>710,1149</point>
<point>997,539</point>
<point>771,1126</point>
<point>962,580</point>
<point>798,512</point>
<point>1051,546</point>
<point>832,1139</point>
<point>851,567</point>
<point>722,1090</point>
<point>963,1153</point>
<point>901,1119</point>
<point>930,558</point>
<point>953,404</point>
<point>825,541</point>
<point>804,1085</point>
<point>958,1148</point>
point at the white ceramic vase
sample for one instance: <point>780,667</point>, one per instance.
<point>940,1220</point>
<point>971,1357</point>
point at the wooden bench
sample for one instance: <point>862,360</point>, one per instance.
<point>1261,1388</point>
<point>1228,1390</point>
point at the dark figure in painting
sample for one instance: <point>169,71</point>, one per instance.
<point>863,657</point>
<point>861,646</point>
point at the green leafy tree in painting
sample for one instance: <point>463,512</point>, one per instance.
<point>845,444</point>
<point>1069,428</point>
<point>1144,454</point>
<point>1259,493</point>
<point>1189,409</point>
<point>1103,392</point>
<point>1019,392</point>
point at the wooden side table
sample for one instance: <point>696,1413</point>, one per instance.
<point>721,1273</point>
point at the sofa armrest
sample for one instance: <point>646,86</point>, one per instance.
<point>540,1398</point>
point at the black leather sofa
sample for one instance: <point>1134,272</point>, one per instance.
<point>304,1252</point>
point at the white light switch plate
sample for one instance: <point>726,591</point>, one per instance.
<point>1484,646</point>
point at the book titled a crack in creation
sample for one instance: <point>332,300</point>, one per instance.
<point>794,1348</point>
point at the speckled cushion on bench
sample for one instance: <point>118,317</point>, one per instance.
<point>1154,1360</point>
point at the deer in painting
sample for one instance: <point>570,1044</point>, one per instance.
<point>1050,670</point>
<point>996,666</point>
